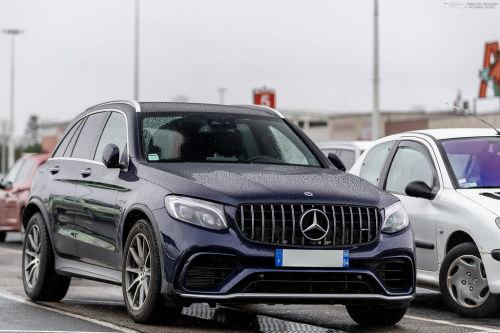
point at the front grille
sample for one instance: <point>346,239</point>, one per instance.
<point>209,271</point>
<point>396,273</point>
<point>280,224</point>
<point>309,283</point>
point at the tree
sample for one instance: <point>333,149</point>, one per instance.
<point>32,136</point>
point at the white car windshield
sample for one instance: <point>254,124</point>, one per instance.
<point>475,161</point>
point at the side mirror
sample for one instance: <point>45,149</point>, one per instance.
<point>419,189</point>
<point>111,156</point>
<point>336,161</point>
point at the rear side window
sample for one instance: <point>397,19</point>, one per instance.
<point>374,162</point>
<point>61,149</point>
<point>114,132</point>
<point>25,170</point>
<point>88,136</point>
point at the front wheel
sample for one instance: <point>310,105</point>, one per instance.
<point>376,315</point>
<point>142,277</point>
<point>41,282</point>
<point>463,283</point>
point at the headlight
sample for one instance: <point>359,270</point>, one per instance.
<point>199,212</point>
<point>497,221</point>
<point>395,218</point>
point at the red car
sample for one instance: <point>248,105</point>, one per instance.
<point>15,191</point>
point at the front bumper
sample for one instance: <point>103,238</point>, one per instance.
<point>222,266</point>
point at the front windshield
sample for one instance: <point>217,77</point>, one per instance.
<point>217,137</point>
<point>475,161</point>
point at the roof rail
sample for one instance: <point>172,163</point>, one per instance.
<point>135,104</point>
<point>260,107</point>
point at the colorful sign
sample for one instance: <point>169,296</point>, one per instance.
<point>491,69</point>
<point>265,97</point>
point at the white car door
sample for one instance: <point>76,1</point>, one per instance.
<point>413,161</point>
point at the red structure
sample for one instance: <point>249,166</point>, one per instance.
<point>265,97</point>
<point>491,70</point>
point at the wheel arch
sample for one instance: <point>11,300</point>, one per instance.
<point>456,238</point>
<point>133,214</point>
<point>34,206</point>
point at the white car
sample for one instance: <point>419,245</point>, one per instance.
<point>347,151</point>
<point>449,182</point>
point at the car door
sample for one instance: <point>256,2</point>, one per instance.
<point>413,161</point>
<point>60,190</point>
<point>6,195</point>
<point>15,195</point>
<point>97,212</point>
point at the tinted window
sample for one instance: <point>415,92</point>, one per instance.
<point>25,170</point>
<point>409,164</point>
<point>374,162</point>
<point>222,138</point>
<point>115,132</point>
<point>474,161</point>
<point>88,136</point>
<point>65,142</point>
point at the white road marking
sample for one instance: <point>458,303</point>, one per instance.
<point>20,299</point>
<point>35,331</point>
<point>478,329</point>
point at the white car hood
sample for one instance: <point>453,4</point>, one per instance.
<point>488,198</point>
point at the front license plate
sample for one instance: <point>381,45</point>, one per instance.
<point>311,258</point>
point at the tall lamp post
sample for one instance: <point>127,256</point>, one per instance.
<point>12,33</point>
<point>136,51</point>
<point>376,79</point>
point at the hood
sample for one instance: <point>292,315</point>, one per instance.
<point>235,184</point>
<point>487,198</point>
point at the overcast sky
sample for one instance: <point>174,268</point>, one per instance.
<point>316,54</point>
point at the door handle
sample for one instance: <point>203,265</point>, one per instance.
<point>86,172</point>
<point>54,170</point>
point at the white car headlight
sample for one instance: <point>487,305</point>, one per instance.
<point>395,218</point>
<point>202,213</point>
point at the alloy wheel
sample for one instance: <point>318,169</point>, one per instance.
<point>138,271</point>
<point>466,281</point>
<point>32,257</point>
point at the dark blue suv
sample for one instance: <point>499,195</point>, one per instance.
<point>184,203</point>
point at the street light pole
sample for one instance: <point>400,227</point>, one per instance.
<point>13,33</point>
<point>136,52</point>
<point>376,79</point>
<point>221,91</point>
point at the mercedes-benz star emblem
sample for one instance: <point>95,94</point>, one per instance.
<point>314,224</point>
<point>309,194</point>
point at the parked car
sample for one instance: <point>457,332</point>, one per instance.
<point>15,191</point>
<point>347,151</point>
<point>185,203</point>
<point>448,180</point>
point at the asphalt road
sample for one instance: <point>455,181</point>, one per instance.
<point>95,307</point>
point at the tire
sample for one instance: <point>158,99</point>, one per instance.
<point>376,315</point>
<point>463,283</point>
<point>141,276</point>
<point>41,282</point>
<point>3,234</point>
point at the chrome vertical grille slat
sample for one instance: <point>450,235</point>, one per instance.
<point>348,224</point>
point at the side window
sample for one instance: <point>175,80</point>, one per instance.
<point>13,172</point>
<point>25,170</point>
<point>65,142</point>
<point>115,132</point>
<point>87,138</point>
<point>410,163</point>
<point>347,157</point>
<point>374,162</point>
